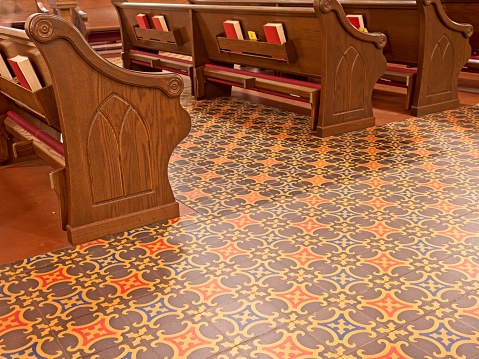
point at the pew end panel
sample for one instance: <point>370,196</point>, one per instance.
<point>118,134</point>
<point>354,63</point>
<point>446,49</point>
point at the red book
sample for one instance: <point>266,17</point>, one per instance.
<point>159,23</point>
<point>274,33</point>
<point>233,29</point>
<point>142,20</point>
<point>356,20</point>
<point>25,73</point>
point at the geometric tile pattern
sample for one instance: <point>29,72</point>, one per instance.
<point>362,245</point>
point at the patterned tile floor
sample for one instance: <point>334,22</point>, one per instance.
<point>364,245</point>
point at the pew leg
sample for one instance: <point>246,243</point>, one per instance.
<point>191,75</point>
<point>410,83</point>
<point>314,101</point>
<point>3,141</point>
<point>58,184</point>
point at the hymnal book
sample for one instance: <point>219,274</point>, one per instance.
<point>274,33</point>
<point>142,21</point>
<point>357,21</point>
<point>25,73</point>
<point>233,29</point>
<point>4,70</point>
<point>159,23</point>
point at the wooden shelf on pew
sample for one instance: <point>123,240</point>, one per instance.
<point>41,102</point>
<point>172,37</point>
<point>279,52</point>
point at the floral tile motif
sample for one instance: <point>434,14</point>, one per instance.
<point>362,245</point>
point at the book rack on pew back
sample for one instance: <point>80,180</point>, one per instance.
<point>334,109</point>
<point>152,49</point>
<point>105,181</point>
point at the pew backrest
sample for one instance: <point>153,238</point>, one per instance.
<point>96,20</point>
<point>25,8</point>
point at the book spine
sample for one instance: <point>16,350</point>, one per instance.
<point>19,74</point>
<point>142,21</point>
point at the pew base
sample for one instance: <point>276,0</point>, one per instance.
<point>418,111</point>
<point>96,230</point>
<point>332,130</point>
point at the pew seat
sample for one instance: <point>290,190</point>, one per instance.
<point>299,90</point>
<point>401,77</point>
<point>164,61</point>
<point>473,64</point>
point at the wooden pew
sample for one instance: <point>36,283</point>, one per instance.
<point>321,43</point>
<point>344,102</point>
<point>98,23</point>
<point>119,129</point>
<point>466,11</point>
<point>416,31</point>
<point>23,9</point>
<point>152,50</point>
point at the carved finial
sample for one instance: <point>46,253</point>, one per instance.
<point>42,30</point>
<point>175,86</point>
<point>469,31</point>
<point>325,6</point>
<point>381,43</point>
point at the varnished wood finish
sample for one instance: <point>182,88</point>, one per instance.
<point>326,45</point>
<point>420,34</point>
<point>25,8</point>
<point>119,130</point>
<point>347,78</point>
<point>96,20</point>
